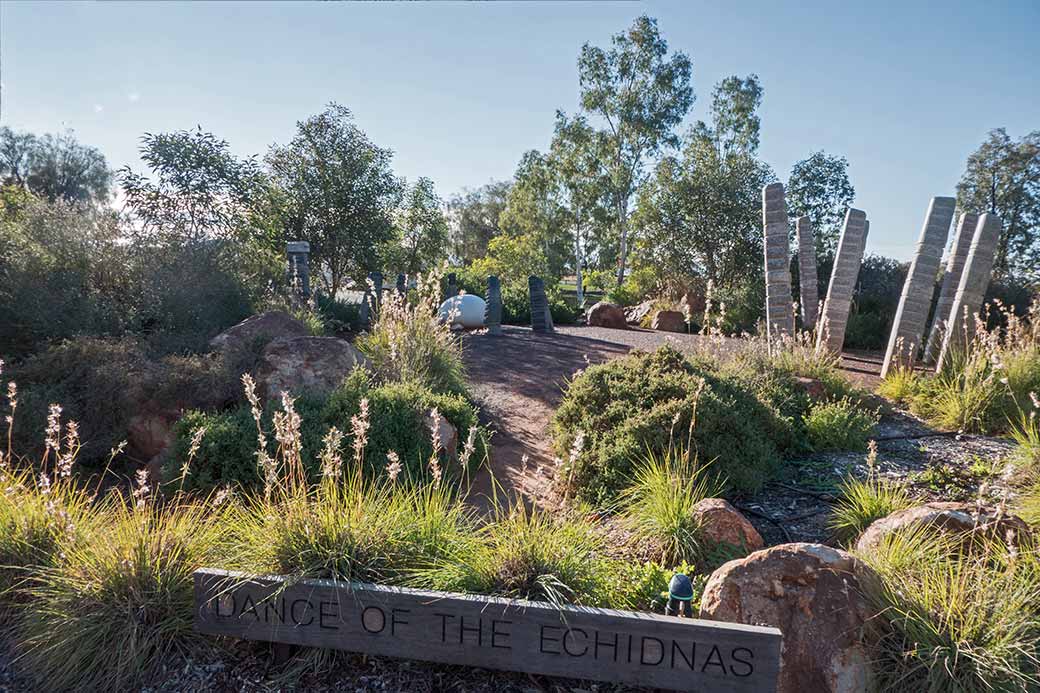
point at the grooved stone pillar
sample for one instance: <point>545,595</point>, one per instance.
<point>807,278</point>
<point>912,314</point>
<point>299,253</point>
<point>493,306</point>
<point>831,335</point>
<point>951,280</point>
<point>541,318</point>
<point>967,302</point>
<point>453,288</point>
<point>402,283</point>
<point>779,312</point>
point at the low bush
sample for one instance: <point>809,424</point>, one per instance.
<point>338,316</point>
<point>954,620</point>
<point>839,425</point>
<point>112,611</point>
<point>644,586</point>
<point>227,450</point>
<point>613,413</point>
<point>901,385</point>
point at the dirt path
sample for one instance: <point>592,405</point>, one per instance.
<point>518,379</point>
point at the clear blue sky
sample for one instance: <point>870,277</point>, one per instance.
<point>459,90</point>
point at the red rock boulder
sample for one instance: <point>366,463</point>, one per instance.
<point>306,365</point>
<point>271,325</point>
<point>965,519</point>
<point>605,314</point>
<point>669,321</point>
<point>721,523</point>
<point>812,593</point>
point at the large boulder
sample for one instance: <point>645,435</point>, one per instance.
<point>449,435</point>
<point>306,364</point>
<point>463,310</point>
<point>721,523</point>
<point>812,593</point>
<point>605,314</point>
<point>967,519</point>
<point>634,314</point>
<point>271,325</point>
<point>149,432</point>
<point>669,321</point>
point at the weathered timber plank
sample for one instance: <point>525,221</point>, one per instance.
<point>532,637</point>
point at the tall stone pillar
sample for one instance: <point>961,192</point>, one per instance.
<point>807,279</point>
<point>951,280</point>
<point>402,286</point>
<point>541,318</point>
<point>493,306</point>
<point>853,239</point>
<point>967,302</point>
<point>376,278</point>
<point>298,254</point>
<point>452,288</point>
<point>919,287</point>
<point>779,311</point>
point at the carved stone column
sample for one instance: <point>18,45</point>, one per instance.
<point>853,239</point>
<point>541,318</point>
<point>779,311</point>
<point>807,278</point>
<point>493,306</point>
<point>951,280</point>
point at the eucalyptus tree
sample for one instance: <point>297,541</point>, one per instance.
<point>422,227</point>
<point>637,95</point>
<point>535,210</point>
<point>819,187</point>
<point>338,193</point>
<point>1002,177</point>
<point>474,219</point>
<point>54,167</point>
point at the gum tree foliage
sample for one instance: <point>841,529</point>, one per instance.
<point>535,217</point>
<point>54,167</point>
<point>819,188</point>
<point>637,95</point>
<point>698,215</point>
<point>1002,177</point>
<point>423,229</point>
<point>474,219</point>
<point>198,190</point>
<point>337,192</point>
<point>582,183</point>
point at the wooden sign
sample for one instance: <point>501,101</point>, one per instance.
<point>533,637</point>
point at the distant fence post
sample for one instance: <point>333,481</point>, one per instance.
<point>298,255</point>
<point>493,306</point>
<point>541,318</point>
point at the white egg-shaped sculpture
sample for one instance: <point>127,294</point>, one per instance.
<point>464,310</point>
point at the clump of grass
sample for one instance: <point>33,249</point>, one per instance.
<point>530,554</point>
<point>839,425</point>
<point>1026,432</point>
<point>862,501</point>
<point>953,620</point>
<point>658,504</point>
<point>115,607</point>
<point>410,344</point>
<point>900,385</point>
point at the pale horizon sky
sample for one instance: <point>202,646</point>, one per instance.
<point>906,91</point>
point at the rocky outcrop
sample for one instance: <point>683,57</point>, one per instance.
<point>812,593</point>
<point>669,321</point>
<point>271,325</point>
<point>306,365</point>
<point>605,314</point>
<point>634,315</point>
<point>720,523</point>
<point>966,519</point>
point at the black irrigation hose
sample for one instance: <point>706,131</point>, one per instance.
<point>767,518</point>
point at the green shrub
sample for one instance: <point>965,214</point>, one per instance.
<point>338,316</point>
<point>227,453</point>
<point>658,505</point>
<point>111,613</point>
<point>954,620</point>
<point>839,425</point>
<point>642,402</point>
<point>103,383</point>
<point>644,586</point>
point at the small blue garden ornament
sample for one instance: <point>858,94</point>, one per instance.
<point>680,596</point>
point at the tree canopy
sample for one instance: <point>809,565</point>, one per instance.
<point>819,188</point>
<point>54,167</point>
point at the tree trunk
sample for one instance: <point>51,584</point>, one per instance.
<point>579,260</point>
<point>622,241</point>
